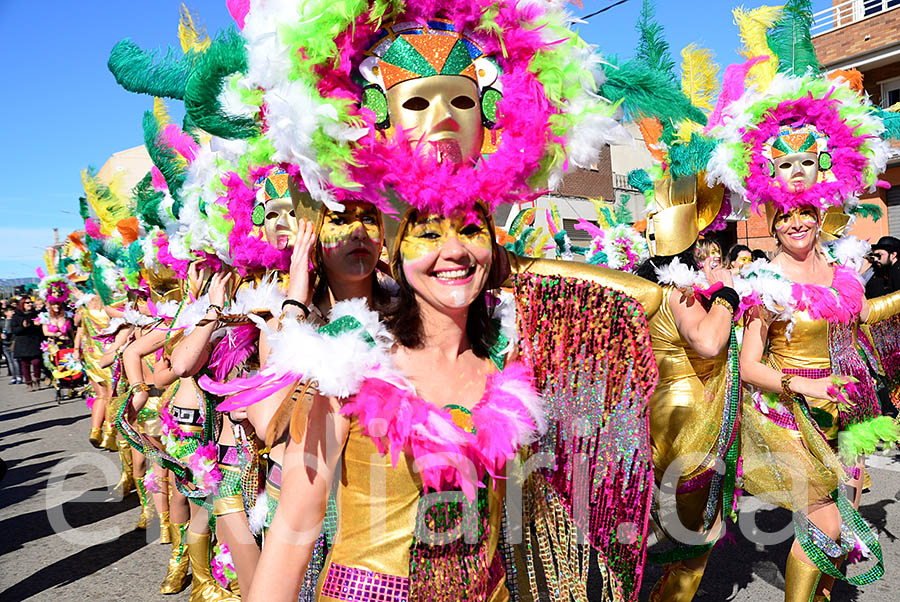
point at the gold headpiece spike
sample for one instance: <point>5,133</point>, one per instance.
<point>675,226</point>
<point>834,224</point>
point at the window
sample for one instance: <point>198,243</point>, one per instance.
<point>890,92</point>
<point>871,7</point>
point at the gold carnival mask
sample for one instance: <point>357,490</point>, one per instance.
<point>798,157</point>
<point>436,84</point>
<point>274,211</point>
<point>442,110</point>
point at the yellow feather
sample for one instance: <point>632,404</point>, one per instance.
<point>161,112</point>
<point>753,25</point>
<point>699,82</point>
<point>110,207</point>
<point>191,36</point>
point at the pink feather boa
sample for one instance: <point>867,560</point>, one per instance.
<point>821,302</point>
<point>393,166</point>
<point>180,266</point>
<point>448,457</point>
<point>848,164</point>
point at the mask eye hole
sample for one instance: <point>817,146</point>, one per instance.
<point>808,163</point>
<point>293,214</point>
<point>271,215</point>
<point>463,102</point>
<point>416,103</point>
<point>785,165</point>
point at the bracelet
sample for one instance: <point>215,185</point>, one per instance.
<point>296,303</point>
<point>723,303</point>
<point>729,295</point>
<point>218,309</point>
<point>140,387</point>
<point>786,385</point>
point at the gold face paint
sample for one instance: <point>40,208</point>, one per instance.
<point>441,109</point>
<point>805,216</point>
<point>432,233</point>
<point>338,227</point>
<point>799,170</point>
<point>281,224</point>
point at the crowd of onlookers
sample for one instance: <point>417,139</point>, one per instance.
<point>22,337</point>
<point>881,273</point>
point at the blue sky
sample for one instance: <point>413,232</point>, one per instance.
<point>64,111</point>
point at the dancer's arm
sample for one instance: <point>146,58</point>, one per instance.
<point>187,358</point>
<point>309,468</point>
<point>707,332</point>
<point>109,355</point>
<point>131,363</point>
<point>880,308</point>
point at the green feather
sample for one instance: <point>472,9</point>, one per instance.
<point>83,208</point>
<point>162,154</point>
<point>621,212</point>
<point>869,210</point>
<point>645,91</point>
<point>640,180</point>
<point>653,49</point>
<point>790,40</point>
<point>225,56</point>
<point>891,124</point>
<point>148,200</point>
<point>138,70</point>
<point>691,157</point>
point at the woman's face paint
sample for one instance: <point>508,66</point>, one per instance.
<point>351,239</point>
<point>447,260</point>
<point>798,228</point>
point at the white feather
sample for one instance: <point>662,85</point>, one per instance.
<point>256,518</point>
<point>680,275</point>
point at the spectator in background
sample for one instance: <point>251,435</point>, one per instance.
<point>708,248</point>
<point>738,257</point>
<point>8,338</point>
<point>759,254</point>
<point>885,278</point>
<point>27,350</point>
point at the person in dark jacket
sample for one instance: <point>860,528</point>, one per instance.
<point>885,277</point>
<point>29,335</point>
<point>8,337</point>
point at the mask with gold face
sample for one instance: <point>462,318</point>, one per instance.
<point>436,85</point>
<point>274,212</point>
<point>797,157</point>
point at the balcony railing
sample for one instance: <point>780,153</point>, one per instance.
<point>848,12</point>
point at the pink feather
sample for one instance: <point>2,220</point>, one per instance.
<point>157,180</point>
<point>733,86</point>
<point>234,348</point>
<point>238,10</point>
<point>91,228</point>
<point>182,143</point>
<point>244,392</point>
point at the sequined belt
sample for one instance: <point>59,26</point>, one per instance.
<point>359,585</point>
<point>186,416</point>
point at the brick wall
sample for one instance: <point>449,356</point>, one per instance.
<point>589,183</point>
<point>872,77</point>
<point>848,41</point>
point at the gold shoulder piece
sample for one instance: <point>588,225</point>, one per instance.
<point>884,307</point>
<point>647,293</point>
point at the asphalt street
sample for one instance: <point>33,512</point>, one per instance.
<point>65,537</point>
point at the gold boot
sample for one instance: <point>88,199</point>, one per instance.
<point>108,438</point>
<point>203,587</point>
<point>95,437</point>
<point>678,584</point>
<point>165,533</point>
<point>126,481</point>
<point>177,573</point>
<point>800,580</point>
<point>146,507</point>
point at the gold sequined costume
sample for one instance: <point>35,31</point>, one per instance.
<point>94,321</point>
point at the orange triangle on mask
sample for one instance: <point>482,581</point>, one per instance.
<point>795,141</point>
<point>434,48</point>
<point>392,75</point>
